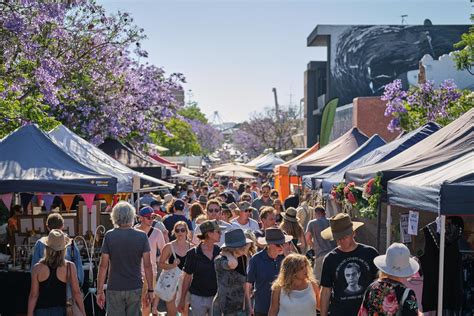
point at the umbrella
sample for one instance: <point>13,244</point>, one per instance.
<point>233,167</point>
<point>186,177</point>
<point>236,174</point>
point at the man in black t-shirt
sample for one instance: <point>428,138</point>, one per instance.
<point>347,270</point>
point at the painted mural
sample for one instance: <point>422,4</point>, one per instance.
<point>365,58</point>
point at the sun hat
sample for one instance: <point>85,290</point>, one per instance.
<point>210,225</point>
<point>243,206</point>
<point>341,225</point>
<point>146,211</point>
<point>178,205</point>
<point>290,215</point>
<point>202,199</point>
<point>56,240</point>
<point>235,238</point>
<point>397,261</point>
<point>274,236</point>
<point>167,198</point>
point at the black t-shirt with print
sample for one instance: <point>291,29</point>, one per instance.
<point>348,274</point>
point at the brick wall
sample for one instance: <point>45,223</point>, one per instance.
<point>368,116</point>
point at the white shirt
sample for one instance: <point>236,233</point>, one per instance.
<point>251,225</point>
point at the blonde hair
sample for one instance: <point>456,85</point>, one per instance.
<point>289,267</point>
<point>53,258</point>
<point>201,218</point>
<point>180,223</point>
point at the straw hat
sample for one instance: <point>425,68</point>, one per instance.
<point>274,236</point>
<point>56,240</point>
<point>290,215</point>
<point>397,261</point>
<point>341,225</point>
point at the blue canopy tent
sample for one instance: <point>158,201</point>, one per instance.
<point>446,189</point>
<point>450,142</point>
<point>96,159</point>
<point>314,180</point>
<point>268,163</point>
<point>31,162</point>
<point>330,154</point>
<point>380,154</point>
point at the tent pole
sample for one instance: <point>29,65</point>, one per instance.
<point>389,225</point>
<point>379,222</point>
<point>441,264</point>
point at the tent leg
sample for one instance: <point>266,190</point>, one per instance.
<point>441,264</point>
<point>389,225</point>
<point>379,223</point>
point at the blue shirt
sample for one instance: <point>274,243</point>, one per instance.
<point>38,253</point>
<point>262,271</point>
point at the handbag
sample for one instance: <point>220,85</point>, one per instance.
<point>71,307</point>
<point>69,300</point>
<point>167,283</point>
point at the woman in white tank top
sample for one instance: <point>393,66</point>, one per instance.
<point>295,291</point>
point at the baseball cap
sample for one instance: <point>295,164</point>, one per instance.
<point>146,211</point>
<point>178,205</point>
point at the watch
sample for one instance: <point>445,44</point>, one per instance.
<point>151,291</point>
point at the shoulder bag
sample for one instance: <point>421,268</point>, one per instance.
<point>167,284</point>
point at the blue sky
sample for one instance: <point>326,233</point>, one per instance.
<point>234,52</point>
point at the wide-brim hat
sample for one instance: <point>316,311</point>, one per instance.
<point>210,225</point>
<point>274,236</point>
<point>56,240</point>
<point>202,199</point>
<point>397,261</point>
<point>341,226</point>
<point>167,198</point>
<point>290,215</point>
<point>243,206</point>
<point>235,238</point>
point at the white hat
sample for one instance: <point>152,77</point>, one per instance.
<point>168,197</point>
<point>397,261</point>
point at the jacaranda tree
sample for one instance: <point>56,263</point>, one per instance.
<point>71,62</point>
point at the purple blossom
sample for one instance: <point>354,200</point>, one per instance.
<point>14,24</point>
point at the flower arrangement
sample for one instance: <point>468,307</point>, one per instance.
<point>371,193</point>
<point>353,196</point>
<point>337,192</point>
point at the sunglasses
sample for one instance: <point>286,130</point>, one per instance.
<point>180,230</point>
<point>248,211</point>
<point>213,210</point>
<point>217,231</point>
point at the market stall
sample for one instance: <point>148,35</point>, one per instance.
<point>446,189</point>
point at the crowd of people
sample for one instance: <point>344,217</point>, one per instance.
<point>226,249</point>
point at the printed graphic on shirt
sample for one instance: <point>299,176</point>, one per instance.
<point>349,285</point>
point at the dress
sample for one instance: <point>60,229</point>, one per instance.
<point>386,296</point>
<point>302,302</point>
<point>230,285</point>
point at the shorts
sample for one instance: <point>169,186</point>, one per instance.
<point>145,286</point>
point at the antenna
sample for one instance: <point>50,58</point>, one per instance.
<point>403,16</point>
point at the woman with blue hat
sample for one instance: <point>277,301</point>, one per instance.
<point>231,272</point>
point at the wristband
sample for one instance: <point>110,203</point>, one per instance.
<point>151,291</point>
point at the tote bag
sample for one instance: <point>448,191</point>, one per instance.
<point>167,284</point>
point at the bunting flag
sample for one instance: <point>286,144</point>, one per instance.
<point>25,200</point>
<point>39,198</point>
<point>109,198</point>
<point>67,200</point>
<point>7,199</point>
<point>88,199</point>
<point>48,201</point>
